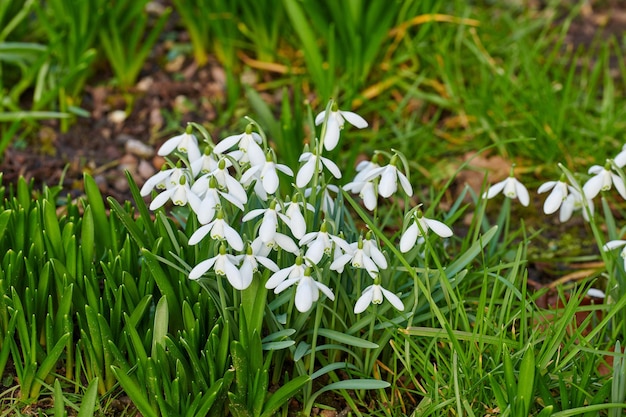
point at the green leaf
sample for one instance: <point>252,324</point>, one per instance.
<point>283,394</point>
<point>128,222</point>
<point>347,339</point>
<point>101,220</point>
<point>164,282</point>
<point>48,364</point>
<point>526,382</point>
<point>88,405</point>
<point>87,237</point>
<point>161,321</point>
<point>135,393</point>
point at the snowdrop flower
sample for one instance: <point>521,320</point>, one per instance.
<point>574,201</point>
<point>358,258</point>
<point>371,249</point>
<point>614,244</point>
<point>248,144</point>
<point>328,203</point>
<point>313,165</point>
<point>218,229</point>
<point>206,188</point>
<point>185,143</point>
<point>296,223</point>
<point>336,120</point>
<point>320,243</point>
<point>620,158</point>
<point>223,264</point>
<point>250,265</point>
<point>307,289</point>
<point>287,276</point>
<point>511,188</point>
<point>279,240</point>
<point>602,180</point>
<point>374,294</point>
<point>596,293</point>
<point>365,189</point>
<point>556,197</point>
<point>180,194</point>
<point>166,178</point>
<point>267,173</point>
<point>419,227</point>
<point>269,224</point>
<point>226,181</point>
<point>389,176</point>
<point>205,164</point>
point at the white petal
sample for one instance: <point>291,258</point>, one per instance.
<point>495,189</point>
<point>546,186</point>
<point>268,263</point>
<point>369,197</point>
<point>406,185</point>
<point>297,224</point>
<point>340,261</point>
<point>522,193</point>
<point>554,201</point>
<point>286,243</point>
<point>438,227</point>
<point>393,299</point>
<point>593,186</point>
<point>306,293</point>
<point>249,173</point>
<point>201,268</point>
<point>327,291</point>
<point>567,208</point>
<point>388,182</point>
<point>364,300</point>
<point>596,293</point>
<point>409,237</point>
<point>169,145</point>
<point>270,180</point>
<point>620,159</point>
<point>227,143</point>
<point>252,214</point>
<point>286,284</point>
<point>161,199</point>
<point>199,234</point>
<point>305,173</point>
<point>278,277</point>
<point>619,185</point>
<point>233,238</point>
<point>268,228</point>
<point>331,137</point>
<point>354,119</point>
<point>595,169</point>
<point>236,189</point>
<point>332,167</point>
<point>378,257</point>
<point>319,119</point>
<point>235,278</point>
<point>614,244</point>
<point>284,169</point>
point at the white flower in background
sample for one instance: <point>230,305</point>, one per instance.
<point>320,243</point>
<point>620,158</point>
<point>205,164</point>
<point>596,293</point>
<point>336,120</point>
<point>574,201</point>
<point>267,173</point>
<point>218,229</point>
<point>307,289</point>
<point>163,179</point>
<point>279,241</point>
<point>269,224</point>
<point>374,294</point>
<point>185,143</point>
<point>365,189</point>
<point>180,194</point>
<point>297,223</point>
<point>556,197</point>
<point>419,227</point>
<point>223,264</point>
<point>614,244</point>
<point>389,176</point>
<point>602,180</point>
<point>287,276</point>
<point>511,188</point>
<point>313,165</point>
<point>371,249</point>
<point>248,144</point>
<point>359,258</point>
<point>227,181</point>
<point>250,265</point>
<point>328,203</point>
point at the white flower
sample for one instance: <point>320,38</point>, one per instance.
<point>223,264</point>
<point>313,165</point>
<point>297,224</point>
<point>602,181</point>
<point>320,243</point>
<point>166,178</point>
<point>218,229</point>
<point>279,240</point>
<point>205,164</point>
<point>556,197</point>
<point>269,224</point>
<point>360,257</point>
<point>248,145</point>
<point>410,235</point>
<point>226,181</point>
<point>574,201</point>
<point>336,120</point>
<point>596,293</point>
<point>389,177</point>
<point>511,188</point>
<point>250,264</point>
<point>185,143</point>
<point>614,244</point>
<point>206,188</point>
<point>328,203</point>
<point>365,189</point>
<point>267,174</point>
<point>374,294</point>
<point>287,276</point>
<point>180,194</point>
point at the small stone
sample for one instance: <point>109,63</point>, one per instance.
<point>117,116</point>
<point>138,148</point>
<point>158,162</point>
<point>128,163</point>
<point>145,169</point>
<point>121,184</point>
<point>145,84</point>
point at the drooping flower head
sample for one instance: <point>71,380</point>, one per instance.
<point>511,188</point>
<point>334,125</point>
<point>419,227</point>
<point>602,180</point>
<point>185,143</point>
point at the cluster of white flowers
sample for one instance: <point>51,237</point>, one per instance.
<point>236,183</point>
